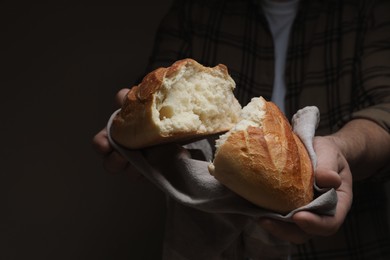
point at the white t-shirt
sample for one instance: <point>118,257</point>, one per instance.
<point>280,17</point>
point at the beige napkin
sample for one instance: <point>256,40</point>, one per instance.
<point>205,220</point>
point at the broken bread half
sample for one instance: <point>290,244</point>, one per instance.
<point>184,101</point>
<point>262,160</point>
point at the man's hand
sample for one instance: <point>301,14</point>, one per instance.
<point>332,172</point>
<point>113,162</point>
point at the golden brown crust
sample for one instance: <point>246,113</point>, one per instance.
<point>267,165</point>
<point>150,84</point>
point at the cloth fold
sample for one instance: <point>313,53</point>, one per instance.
<point>198,202</point>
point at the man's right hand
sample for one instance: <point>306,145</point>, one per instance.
<point>113,162</point>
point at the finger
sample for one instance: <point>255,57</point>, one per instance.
<point>115,163</point>
<point>100,140</point>
<point>316,225</point>
<point>323,225</point>
<point>327,178</point>
<point>120,96</point>
<point>328,163</point>
<point>133,173</point>
<point>100,143</point>
<point>285,231</point>
<point>327,154</point>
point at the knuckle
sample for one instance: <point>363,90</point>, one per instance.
<point>97,144</point>
<point>120,96</point>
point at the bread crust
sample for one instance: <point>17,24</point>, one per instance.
<point>267,165</point>
<point>135,127</point>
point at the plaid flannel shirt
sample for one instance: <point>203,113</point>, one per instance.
<point>338,60</point>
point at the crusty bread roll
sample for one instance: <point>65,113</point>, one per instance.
<point>262,160</point>
<point>183,101</point>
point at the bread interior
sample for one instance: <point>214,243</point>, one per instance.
<point>195,100</point>
<point>251,115</point>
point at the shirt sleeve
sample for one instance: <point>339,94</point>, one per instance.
<point>374,63</point>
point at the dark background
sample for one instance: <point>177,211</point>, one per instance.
<point>61,68</point>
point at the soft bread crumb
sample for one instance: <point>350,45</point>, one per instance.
<point>176,104</point>
<point>195,101</point>
<point>251,115</point>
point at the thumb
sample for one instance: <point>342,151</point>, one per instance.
<point>327,170</point>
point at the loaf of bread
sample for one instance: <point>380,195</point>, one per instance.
<point>262,160</point>
<point>184,101</point>
<point>259,157</point>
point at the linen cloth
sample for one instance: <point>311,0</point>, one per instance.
<point>208,221</point>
